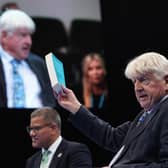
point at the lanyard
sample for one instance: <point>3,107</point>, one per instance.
<point>100,102</point>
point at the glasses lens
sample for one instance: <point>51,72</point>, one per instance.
<point>37,128</point>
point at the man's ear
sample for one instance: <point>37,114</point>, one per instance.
<point>166,79</point>
<point>166,82</point>
<point>4,35</point>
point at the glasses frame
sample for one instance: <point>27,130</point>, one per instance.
<point>37,128</point>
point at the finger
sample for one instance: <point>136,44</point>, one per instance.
<point>55,94</point>
<point>65,89</point>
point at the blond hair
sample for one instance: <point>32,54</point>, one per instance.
<point>87,88</point>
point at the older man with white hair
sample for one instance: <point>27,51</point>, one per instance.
<point>142,143</point>
<point>24,81</point>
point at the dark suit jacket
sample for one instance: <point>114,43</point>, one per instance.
<point>146,146</point>
<point>68,155</point>
<point>38,66</point>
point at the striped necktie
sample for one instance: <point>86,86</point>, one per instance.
<point>18,86</point>
<point>143,117</point>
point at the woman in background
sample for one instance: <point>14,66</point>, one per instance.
<point>94,93</point>
<point>94,82</point>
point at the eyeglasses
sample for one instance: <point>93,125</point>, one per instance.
<point>36,128</point>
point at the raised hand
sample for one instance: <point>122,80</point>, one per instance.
<point>68,100</point>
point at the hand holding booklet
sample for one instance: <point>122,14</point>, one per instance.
<point>56,72</point>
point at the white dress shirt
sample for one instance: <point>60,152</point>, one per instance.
<point>31,83</point>
<point>53,149</point>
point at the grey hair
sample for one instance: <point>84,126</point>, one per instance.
<point>50,115</point>
<point>13,19</point>
<point>150,62</point>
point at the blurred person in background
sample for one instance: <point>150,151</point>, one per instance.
<point>9,5</point>
<point>94,91</point>
<point>94,81</point>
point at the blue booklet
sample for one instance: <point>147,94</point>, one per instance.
<point>56,72</point>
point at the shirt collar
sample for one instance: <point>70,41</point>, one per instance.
<point>156,105</point>
<point>54,146</point>
<point>6,56</point>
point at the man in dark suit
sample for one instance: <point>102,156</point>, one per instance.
<point>16,28</point>
<point>142,143</point>
<point>45,132</point>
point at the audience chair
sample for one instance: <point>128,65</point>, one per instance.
<point>50,36</point>
<point>85,36</point>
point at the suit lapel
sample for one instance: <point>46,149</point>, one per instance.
<point>59,154</point>
<point>38,160</point>
<point>3,99</point>
<point>32,64</point>
<point>134,131</point>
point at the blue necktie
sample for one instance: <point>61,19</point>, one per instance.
<point>18,86</point>
<point>143,117</point>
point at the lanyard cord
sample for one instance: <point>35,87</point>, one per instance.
<point>100,103</point>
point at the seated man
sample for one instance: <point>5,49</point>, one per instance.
<point>45,132</point>
<point>141,143</point>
